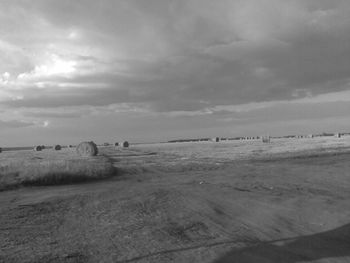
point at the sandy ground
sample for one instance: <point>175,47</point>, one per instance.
<point>226,202</point>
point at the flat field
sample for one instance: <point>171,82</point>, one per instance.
<point>235,201</point>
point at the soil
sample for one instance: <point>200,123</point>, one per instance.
<point>166,207</point>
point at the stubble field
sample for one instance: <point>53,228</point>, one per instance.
<point>236,201</point>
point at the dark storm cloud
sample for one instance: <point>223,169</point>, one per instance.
<point>183,55</point>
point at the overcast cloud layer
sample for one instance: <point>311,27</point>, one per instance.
<point>162,69</point>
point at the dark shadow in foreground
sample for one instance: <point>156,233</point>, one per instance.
<point>329,244</point>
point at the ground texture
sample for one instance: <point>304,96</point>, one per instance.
<point>190,203</point>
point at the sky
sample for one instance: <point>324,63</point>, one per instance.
<point>156,70</point>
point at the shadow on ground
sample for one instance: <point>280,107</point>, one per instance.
<point>330,244</point>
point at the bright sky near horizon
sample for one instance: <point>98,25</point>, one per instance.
<point>153,70</point>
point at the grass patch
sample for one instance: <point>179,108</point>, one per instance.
<point>32,169</point>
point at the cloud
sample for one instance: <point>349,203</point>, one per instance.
<point>55,66</point>
<point>46,124</point>
<point>180,59</point>
<point>55,113</point>
<point>15,124</point>
<point>173,55</point>
<point>37,115</point>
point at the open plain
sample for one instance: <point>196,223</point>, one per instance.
<point>233,201</point>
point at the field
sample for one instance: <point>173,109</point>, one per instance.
<point>49,167</point>
<point>235,201</point>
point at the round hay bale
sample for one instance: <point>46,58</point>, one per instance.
<point>116,144</point>
<point>37,148</point>
<point>266,139</point>
<point>87,149</point>
<point>58,147</point>
<point>70,146</point>
<point>125,144</point>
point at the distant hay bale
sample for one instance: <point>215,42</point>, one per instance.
<point>58,147</point>
<point>106,144</point>
<point>70,146</point>
<point>0,149</point>
<point>310,136</point>
<point>215,139</point>
<point>117,144</point>
<point>87,149</point>
<point>337,135</point>
<point>125,144</point>
<point>37,148</point>
<point>266,139</point>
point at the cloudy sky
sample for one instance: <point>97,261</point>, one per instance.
<point>153,70</point>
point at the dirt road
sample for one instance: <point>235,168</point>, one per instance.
<point>290,209</point>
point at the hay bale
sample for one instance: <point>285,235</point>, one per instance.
<point>37,148</point>
<point>117,144</point>
<point>0,149</point>
<point>266,139</point>
<point>337,135</point>
<point>70,146</point>
<point>125,144</point>
<point>87,149</point>
<point>58,147</point>
<point>215,139</point>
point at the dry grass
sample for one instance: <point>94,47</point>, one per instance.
<point>183,214</point>
<point>50,168</point>
<point>186,202</point>
<point>247,149</point>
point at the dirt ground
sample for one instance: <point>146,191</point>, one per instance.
<point>169,205</point>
